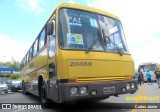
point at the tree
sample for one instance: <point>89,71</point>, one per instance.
<point>14,76</point>
<point>12,64</point>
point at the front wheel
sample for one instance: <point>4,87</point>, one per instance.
<point>24,89</point>
<point>43,95</point>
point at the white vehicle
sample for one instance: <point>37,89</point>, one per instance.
<point>3,87</point>
<point>151,67</point>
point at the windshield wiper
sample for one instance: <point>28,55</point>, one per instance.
<point>116,46</point>
<point>90,47</point>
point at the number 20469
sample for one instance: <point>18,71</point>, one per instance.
<point>80,64</point>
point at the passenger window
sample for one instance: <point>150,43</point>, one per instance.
<point>42,39</point>
<point>25,60</point>
<point>27,57</point>
<point>35,48</point>
<point>30,53</point>
<point>51,46</point>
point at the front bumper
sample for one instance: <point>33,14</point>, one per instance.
<point>65,95</point>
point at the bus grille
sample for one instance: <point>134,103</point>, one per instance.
<point>108,78</point>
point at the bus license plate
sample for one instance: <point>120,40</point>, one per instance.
<point>110,89</point>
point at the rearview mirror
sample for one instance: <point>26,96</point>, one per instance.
<point>50,28</point>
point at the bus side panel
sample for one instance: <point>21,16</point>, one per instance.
<point>37,67</point>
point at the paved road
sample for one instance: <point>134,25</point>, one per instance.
<point>145,94</point>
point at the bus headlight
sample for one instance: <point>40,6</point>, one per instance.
<point>128,86</point>
<point>74,91</point>
<point>132,85</point>
<point>83,90</point>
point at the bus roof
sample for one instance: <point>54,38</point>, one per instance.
<point>86,8</point>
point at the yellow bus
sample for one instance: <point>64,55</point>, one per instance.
<point>80,54</point>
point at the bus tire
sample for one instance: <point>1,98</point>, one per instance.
<point>43,95</point>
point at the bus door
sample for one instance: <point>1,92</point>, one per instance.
<point>53,88</point>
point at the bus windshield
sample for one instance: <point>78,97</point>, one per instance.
<point>149,67</point>
<point>78,30</point>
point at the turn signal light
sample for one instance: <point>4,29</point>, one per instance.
<point>132,77</point>
<point>72,80</point>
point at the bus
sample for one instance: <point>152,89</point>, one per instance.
<point>80,54</point>
<point>148,66</point>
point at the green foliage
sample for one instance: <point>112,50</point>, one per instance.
<point>14,76</point>
<point>13,64</point>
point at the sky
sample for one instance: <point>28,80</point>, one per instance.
<point>22,20</point>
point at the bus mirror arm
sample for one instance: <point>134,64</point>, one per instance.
<point>50,28</point>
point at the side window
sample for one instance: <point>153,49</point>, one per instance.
<point>35,47</point>
<point>42,39</point>
<point>30,54</point>
<point>27,57</point>
<point>25,60</point>
<point>51,46</point>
